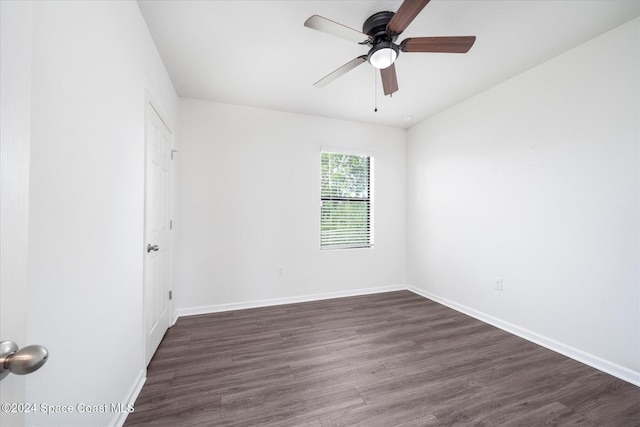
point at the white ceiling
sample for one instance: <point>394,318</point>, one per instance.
<point>258,53</point>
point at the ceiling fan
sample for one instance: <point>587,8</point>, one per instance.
<point>380,32</point>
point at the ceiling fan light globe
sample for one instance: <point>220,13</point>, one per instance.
<point>383,55</point>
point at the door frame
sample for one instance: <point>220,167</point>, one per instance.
<point>15,132</point>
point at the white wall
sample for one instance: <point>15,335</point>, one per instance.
<point>537,181</point>
<point>92,65</point>
<point>248,202</point>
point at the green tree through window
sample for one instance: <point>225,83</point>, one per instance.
<point>345,217</point>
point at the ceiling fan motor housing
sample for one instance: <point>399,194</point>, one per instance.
<point>376,27</point>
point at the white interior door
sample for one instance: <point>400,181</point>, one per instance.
<point>15,134</point>
<point>157,229</point>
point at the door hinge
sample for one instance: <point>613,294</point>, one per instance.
<point>170,224</point>
<point>170,295</point>
<point>172,153</point>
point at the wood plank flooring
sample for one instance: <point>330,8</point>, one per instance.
<point>391,359</point>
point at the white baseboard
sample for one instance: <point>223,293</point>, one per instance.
<point>596,362</point>
<point>174,317</point>
<point>120,418</point>
<point>193,311</point>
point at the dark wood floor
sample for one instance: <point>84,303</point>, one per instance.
<point>392,359</point>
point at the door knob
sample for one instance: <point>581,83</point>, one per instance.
<point>21,362</point>
<point>152,248</point>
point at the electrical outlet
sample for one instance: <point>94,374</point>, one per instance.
<point>498,284</point>
<point>280,270</point>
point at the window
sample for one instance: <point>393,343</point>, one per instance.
<point>346,211</point>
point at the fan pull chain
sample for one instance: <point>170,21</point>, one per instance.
<point>375,90</point>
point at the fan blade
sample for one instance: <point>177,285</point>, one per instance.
<point>389,79</point>
<point>408,10</point>
<point>460,44</point>
<point>340,71</point>
<point>328,26</point>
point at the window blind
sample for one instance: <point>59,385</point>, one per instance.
<point>345,201</point>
